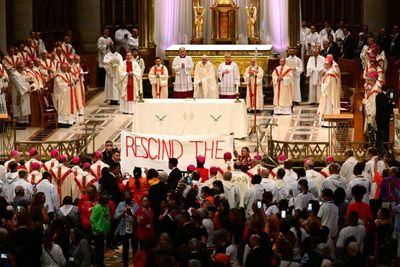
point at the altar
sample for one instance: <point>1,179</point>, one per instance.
<point>241,54</point>
<point>191,117</point>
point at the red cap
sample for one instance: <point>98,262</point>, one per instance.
<point>98,154</point>
<point>227,155</point>
<point>329,159</point>
<point>213,170</point>
<point>257,157</point>
<point>282,157</point>
<point>191,168</point>
<point>35,166</point>
<point>201,159</point>
<point>32,152</point>
<point>75,160</point>
<point>54,153</point>
<point>86,165</point>
<point>63,158</point>
<point>14,153</point>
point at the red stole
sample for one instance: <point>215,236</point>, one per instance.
<point>253,93</point>
<point>129,87</point>
<point>158,87</point>
<point>10,60</point>
<point>77,71</point>
<point>281,75</point>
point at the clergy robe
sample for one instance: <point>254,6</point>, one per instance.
<point>9,63</point>
<point>229,81</point>
<point>103,47</point>
<point>23,56</point>
<point>315,67</point>
<point>76,169</point>
<point>111,63</point>
<point>35,76</point>
<point>67,50</point>
<point>64,98</point>
<point>183,87</point>
<point>347,168</point>
<point>28,164</point>
<point>31,52</point>
<point>282,90</point>
<point>120,40</point>
<point>297,69</point>
<point>313,40</point>
<point>80,182</point>
<point>205,74</point>
<point>48,165</point>
<point>330,94</point>
<point>97,167</point>
<point>128,85</point>
<point>42,46</point>
<point>34,177</point>
<point>58,59</point>
<point>225,167</point>
<point>21,104</point>
<point>158,77</point>
<point>242,181</point>
<point>257,169</point>
<point>80,87</point>
<point>373,86</point>
<point>133,43</point>
<point>62,180</point>
<point>47,69</point>
<point>253,77</point>
<point>304,32</point>
<point>142,66</point>
<point>315,177</point>
<point>3,88</point>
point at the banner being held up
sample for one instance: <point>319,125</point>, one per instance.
<point>153,151</point>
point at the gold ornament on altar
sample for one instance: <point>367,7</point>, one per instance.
<point>198,21</point>
<point>225,2</point>
<point>251,11</point>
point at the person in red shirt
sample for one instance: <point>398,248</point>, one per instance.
<point>145,220</point>
<point>207,195</point>
<point>362,208</point>
<point>204,173</point>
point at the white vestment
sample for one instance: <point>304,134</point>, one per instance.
<point>9,63</point>
<point>111,63</point>
<point>347,168</point>
<point>103,47</point>
<point>313,40</point>
<point>67,49</point>
<point>253,77</point>
<point>80,182</point>
<point>128,95</point>
<point>242,181</point>
<point>330,94</point>
<point>254,194</point>
<point>121,41</point>
<point>315,67</point>
<point>158,77</point>
<point>133,43</point>
<point>50,164</point>
<point>62,180</point>
<point>3,88</point>
<point>339,34</point>
<point>63,98</point>
<point>283,100</point>
<point>20,97</point>
<point>205,85</point>
<point>230,80</point>
<point>183,76</point>
<point>297,69</point>
<point>316,178</point>
<point>97,167</point>
<point>77,71</point>
<point>28,164</point>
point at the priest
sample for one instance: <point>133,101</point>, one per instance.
<point>330,91</point>
<point>111,62</point>
<point>183,66</point>
<point>103,47</point>
<point>67,48</point>
<point>229,75</point>
<point>297,67</point>
<point>63,97</point>
<point>205,84</point>
<point>128,81</point>
<point>21,90</point>
<point>282,81</point>
<point>78,73</point>
<point>253,77</point>
<point>158,76</point>
<point>315,68</point>
<point>10,60</point>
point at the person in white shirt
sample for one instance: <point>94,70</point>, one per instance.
<point>295,188</point>
<point>290,174</point>
<point>339,32</point>
<point>327,31</point>
<point>372,152</point>
<point>313,40</point>
<point>52,200</point>
<point>281,185</point>
<point>354,229</point>
<point>229,75</point>
<point>103,47</point>
<point>348,165</point>
<point>133,40</point>
<point>22,181</point>
<point>335,180</point>
<point>241,180</point>
<point>315,68</point>
<point>122,36</point>
<point>231,191</point>
<point>254,194</point>
<point>329,213</point>
<point>183,66</point>
<point>313,176</point>
<point>297,67</point>
<point>304,32</point>
<point>270,207</point>
<point>359,179</point>
<point>11,181</point>
<point>301,201</point>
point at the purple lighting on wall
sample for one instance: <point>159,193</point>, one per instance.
<point>278,11</point>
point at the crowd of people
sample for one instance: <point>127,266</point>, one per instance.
<point>64,212</point>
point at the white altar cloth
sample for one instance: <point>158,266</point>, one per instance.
<point>191,117</point>
<point>221,47</point>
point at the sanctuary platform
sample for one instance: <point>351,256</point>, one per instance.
<point>241,54</point>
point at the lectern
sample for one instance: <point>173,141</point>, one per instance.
<point>339,132</point>
<point>224,21</point>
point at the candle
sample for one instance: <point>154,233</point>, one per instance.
<point>237,89</point>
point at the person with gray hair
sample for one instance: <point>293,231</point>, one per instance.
<point>22,181</point>
<point>205,84</point>
<point>231,191</point>
<point>183,66</point>
<point>348,166</point>
<point>20,200</point>
<point>334,180</point>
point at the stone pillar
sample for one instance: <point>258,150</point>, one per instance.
<point>294,23</point>
<point>23,18</point>
<point>88,24</point>
<point>3,28</point>
<point>374,15</point>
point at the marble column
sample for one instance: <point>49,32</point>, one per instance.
<point>3,27</point>
<point>23,18</point>
<point>294,23</point>
<point>374,15</point>
<point>88,24</point>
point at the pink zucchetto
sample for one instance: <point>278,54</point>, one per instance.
<point>201,159</point>
<point>227,155</point>
<point>63,158</point>
<point>329,159</point>
<point>54,153</point>
<point>213,170</point>
<point>86,165</point>
<point>75,160</point>
<point>32,152</point>
<point>35,166</point>
<point>191,168</point>
<point>257,157</point>
<point>14,153</point>
<point>282,158</point>
<point>98,154</point>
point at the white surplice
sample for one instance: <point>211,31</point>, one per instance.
<point>111,63</point>
<point>315,67</point>
<point>103,47</point>
<point>128,105</point>
<point>158,77</point>
<point>205,84</point>
<point>183,76</point>
<point>253,77</point>
<point>21,104</point>
<point>230,80</point>
<point>297,69</point>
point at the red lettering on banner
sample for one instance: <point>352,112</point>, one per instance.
<point>165,149</point>
<point>197,148</point>
<point>174,148</point>
<point>146,155</point>
<point>218,149</point>
<point>137,146</point>
<point>129,142</point>
<point>149,146</point>
<point>209,149</point>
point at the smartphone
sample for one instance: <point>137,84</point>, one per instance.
<point>309,208</point>
<point>283,214</point>
<point>189,180</point>
<point>3,256</point>
<point>259,204</point>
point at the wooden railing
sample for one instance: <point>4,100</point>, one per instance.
<point>75,147</point>
<point>7,137</point>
